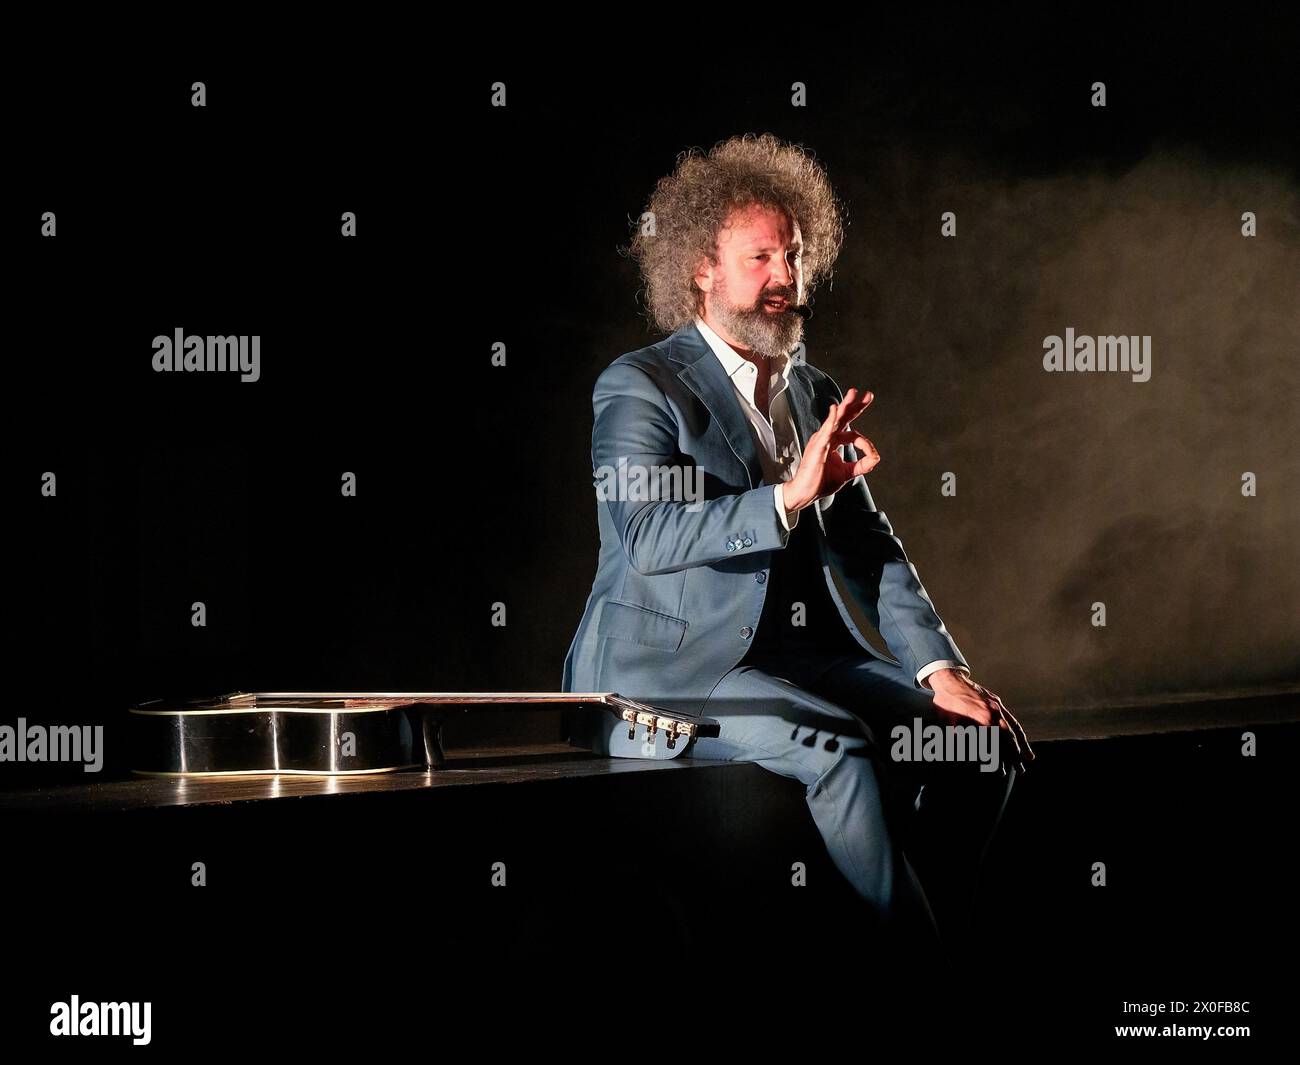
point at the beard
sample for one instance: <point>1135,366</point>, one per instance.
<point>766,332</point>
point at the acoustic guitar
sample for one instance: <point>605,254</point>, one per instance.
<point>346,733</point>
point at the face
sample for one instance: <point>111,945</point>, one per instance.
<point>750,295</point>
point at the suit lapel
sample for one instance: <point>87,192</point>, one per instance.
<point>799,396</point>
<point>705,376</point>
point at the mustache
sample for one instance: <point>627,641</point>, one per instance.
<point>801,309</point>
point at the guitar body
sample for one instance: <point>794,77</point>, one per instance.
<point>348,733</point>
<point>240,741</point>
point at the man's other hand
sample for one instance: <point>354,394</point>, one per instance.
<point>961,701</point>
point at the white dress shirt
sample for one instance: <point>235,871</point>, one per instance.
<point>779,449</point>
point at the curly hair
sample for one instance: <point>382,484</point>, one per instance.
<point>691,205</point>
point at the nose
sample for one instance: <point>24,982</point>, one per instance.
<point>783,275</point>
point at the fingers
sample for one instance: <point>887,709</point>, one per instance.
<point>987,709</point>
<point>830,426</point>
<point>870,457</point>
<point>1026,751</point>
<point>852,436</point>
<point>854,404</point>
<point>1019,758</point>
<point>866,464</point>
<point>841,415</point>
<point>1003,720</point>
<point>857,440</point>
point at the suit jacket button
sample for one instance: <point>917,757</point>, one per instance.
<point>746,633</point>
<point>760,577</point>
<point>749,542</point>
<point>731,545</point>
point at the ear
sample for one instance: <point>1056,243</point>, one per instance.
<point>704,275</point>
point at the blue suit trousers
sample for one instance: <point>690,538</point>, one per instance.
<point>909,837</point>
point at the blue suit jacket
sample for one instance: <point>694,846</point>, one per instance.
<point>675,602</point>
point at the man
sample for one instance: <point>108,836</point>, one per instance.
<point>733,605</point>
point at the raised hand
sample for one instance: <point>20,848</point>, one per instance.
<point>822,472</point>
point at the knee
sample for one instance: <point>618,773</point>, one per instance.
<point>851,771</point>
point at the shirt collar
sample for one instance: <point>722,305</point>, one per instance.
<point>733,363</point>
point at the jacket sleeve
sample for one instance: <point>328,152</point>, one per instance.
<point>884,582</point>
<point>635,428</point>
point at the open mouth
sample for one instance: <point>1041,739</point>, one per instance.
<point>776,304</point>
